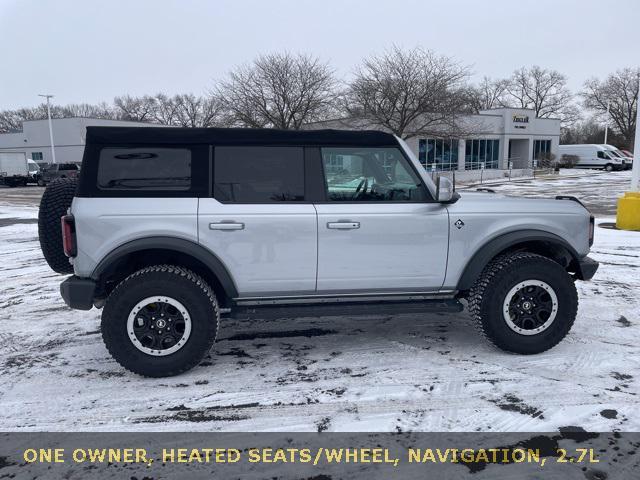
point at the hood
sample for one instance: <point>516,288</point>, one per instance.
<point>471,201</point>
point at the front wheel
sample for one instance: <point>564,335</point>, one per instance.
<point>524,303</point>
<point>160,321</point>
<point>608,167</point>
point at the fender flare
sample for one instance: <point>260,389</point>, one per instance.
<point>179,245</point>
<point>493,247</point>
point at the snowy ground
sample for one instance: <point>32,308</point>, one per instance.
<point>398,373</point>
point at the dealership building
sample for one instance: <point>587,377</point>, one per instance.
<point>68,137</point>
<point>491,141</point>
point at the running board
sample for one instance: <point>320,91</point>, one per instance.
<point>350,309</point>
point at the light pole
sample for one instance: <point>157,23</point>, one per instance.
<point>606,124</point>
<point>53,150</point>
<point>628,214</point>
<point>635,172</point>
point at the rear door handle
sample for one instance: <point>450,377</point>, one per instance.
<point>226,226</point>
<point>343,225</point>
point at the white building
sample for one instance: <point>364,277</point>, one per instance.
<point>495,140</point>
<point>68,137</point>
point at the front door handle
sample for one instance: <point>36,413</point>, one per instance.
<point>343,225</point>
<point>226,226</point>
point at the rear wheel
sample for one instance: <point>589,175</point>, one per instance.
<point>524,303</point>
<point>55,202</point>
<point>160,321</point>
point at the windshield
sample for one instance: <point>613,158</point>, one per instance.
<point>423,173</point>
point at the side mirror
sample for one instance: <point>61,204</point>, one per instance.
<point>445,192</point>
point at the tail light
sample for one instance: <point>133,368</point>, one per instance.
<point>69,235</point>
<point>592,228</point>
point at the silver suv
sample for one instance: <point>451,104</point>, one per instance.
<point>169,229</point>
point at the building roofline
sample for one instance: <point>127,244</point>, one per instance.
<point>90,118</point>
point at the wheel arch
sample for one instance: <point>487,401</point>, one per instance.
<point>541,242</point>
<point>141,253</point>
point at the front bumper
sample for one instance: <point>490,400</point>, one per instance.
<point>78,293</point>
<point>586,268</point>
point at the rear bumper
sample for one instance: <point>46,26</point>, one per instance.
<point>78,293</point>
<point>586,268</point>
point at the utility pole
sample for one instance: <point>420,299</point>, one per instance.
<point>606,124</point>
<point>628,214</point>
<point>53,150</point>
<point>635,172</point>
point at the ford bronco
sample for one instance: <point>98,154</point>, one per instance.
<point>168,229</point>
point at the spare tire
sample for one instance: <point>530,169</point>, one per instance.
<point>55,202</point>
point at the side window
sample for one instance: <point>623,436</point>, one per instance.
<point>370,175</point>
<point>258,174</point>
<point>601,154</point>
<point>144,169</point>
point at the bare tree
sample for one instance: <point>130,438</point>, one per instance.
<point>620,92</point>
<point>163,109</point>
<point>280,90</point>
<point>192,111</point>
<point>87,110</point>
<point>140,109</point>
<point>489,93</point>
<point>407,92</point>
<point>544,91</point>
<point>591,130</point>
<point>11,120</point>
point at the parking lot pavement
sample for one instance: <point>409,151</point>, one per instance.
<point>599,191</point>
<point>29,195</point>
<point>380,373</point>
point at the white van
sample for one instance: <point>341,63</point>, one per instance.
<point>594,156</point>
<point>617,152</point>
<point>34,170</point>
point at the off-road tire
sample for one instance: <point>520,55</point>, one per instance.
<point>55,202</point>
<point>488,294</point>
<point>161,280</point>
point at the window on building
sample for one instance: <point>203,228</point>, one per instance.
<point>541,149</point>
<point>481,151</point>
<point>37,156</point>
<point>370,174</point>
<point>258,174</point>
<point>439,154</point>
<point>144,169</point>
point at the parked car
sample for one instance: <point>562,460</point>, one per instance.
<point>54,171</point>
<point>594,156</point>
<point>14,170</point>
<point>168,229</point>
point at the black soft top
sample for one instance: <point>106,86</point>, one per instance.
<point>236,136</point>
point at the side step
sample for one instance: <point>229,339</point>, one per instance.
<point>270,312</point>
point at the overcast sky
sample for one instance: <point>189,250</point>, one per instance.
<point>91,51</point>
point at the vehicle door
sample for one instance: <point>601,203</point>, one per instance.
<point>379,230</point>
<point>258,221</point>
<point>602,158</point>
